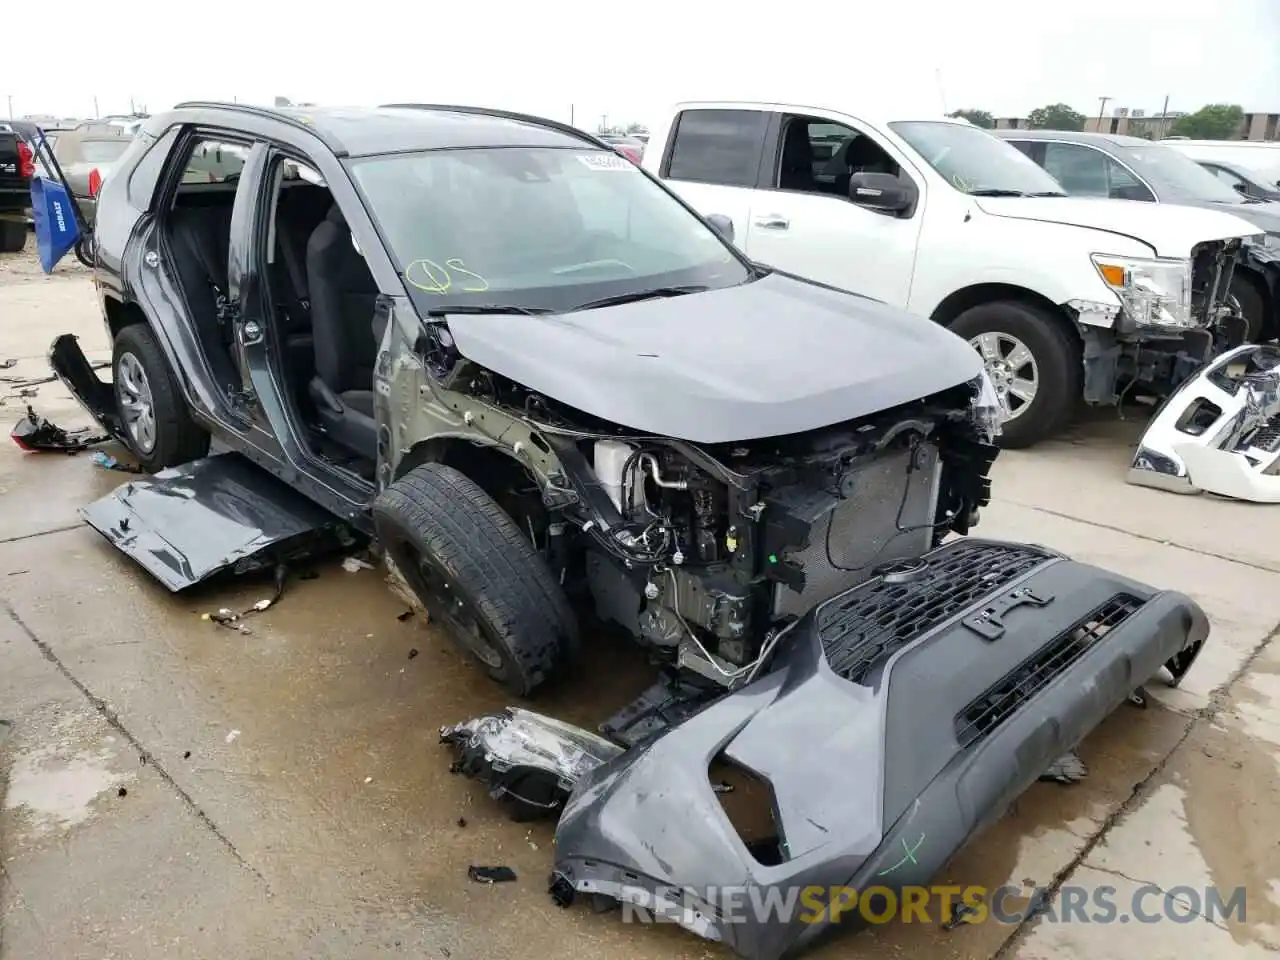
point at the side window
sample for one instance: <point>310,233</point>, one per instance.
<point>142,182</point>
<point>1081,170</point>
<point>1031,148</point>
<point>1226,176</point>
<point>818,156</point>
<point>213,161</point>
<point>1123,185</point>
<point>718,146</point>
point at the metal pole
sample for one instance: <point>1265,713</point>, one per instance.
<point>571,115</point>
<point>1164,116</point>
<point>1102,105</point>
<point>95,108</point>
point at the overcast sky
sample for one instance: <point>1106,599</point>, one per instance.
<point>628,60</point>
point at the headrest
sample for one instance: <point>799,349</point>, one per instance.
<point>335,216</point>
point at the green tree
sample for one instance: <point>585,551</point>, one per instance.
<point>1056,116</point>
<point>979,118</point>
<point>1217,121</point>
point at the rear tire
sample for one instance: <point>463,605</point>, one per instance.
<point>1022,343</point>
<point>143,381</point>
<point>477,575</point>
<point>13,236</point>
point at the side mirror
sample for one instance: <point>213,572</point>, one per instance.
<point>882,192</point>
<point>1241,188</point>
<point>721,225</point>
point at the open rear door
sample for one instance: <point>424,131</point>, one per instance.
<point>220,513</point>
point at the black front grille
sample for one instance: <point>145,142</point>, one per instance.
<point>1212,267</point>
<point>1267,436</point>
<point>886,613</point>
<point>1004,698</point>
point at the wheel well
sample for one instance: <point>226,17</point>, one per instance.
<point>968,297</point>
<point>498,474</point>
<point>121,315</point>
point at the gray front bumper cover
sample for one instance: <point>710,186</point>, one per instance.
<point>902,716</point>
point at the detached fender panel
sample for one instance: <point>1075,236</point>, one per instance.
<point>902,716</point>
<point>72,367</point>
<point>185,524</point>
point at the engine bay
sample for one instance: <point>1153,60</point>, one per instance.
<point>706,554</point>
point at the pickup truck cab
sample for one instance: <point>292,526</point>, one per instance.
<point>1062,296</point>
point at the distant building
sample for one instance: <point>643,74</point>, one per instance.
<point>1153,126</point>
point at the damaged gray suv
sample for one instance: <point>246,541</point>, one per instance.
<point>544,384</point>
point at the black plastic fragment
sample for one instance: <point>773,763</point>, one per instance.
<point>491,874</point>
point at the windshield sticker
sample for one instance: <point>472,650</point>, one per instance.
<point>431,277</point>
<point>605,161</point>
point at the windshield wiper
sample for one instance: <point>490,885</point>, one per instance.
<point>995,192</point>
<point>637,295</point>
<point>485,309</point>
<point>1049,193</point>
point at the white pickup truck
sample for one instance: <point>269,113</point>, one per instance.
<point>1062,296</point>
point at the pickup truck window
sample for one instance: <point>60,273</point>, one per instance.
<point>975,162</point>
<point>717,146</point>
<point>817,156</point>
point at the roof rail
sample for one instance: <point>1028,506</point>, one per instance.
<point>267,113</point>
<point>530,118</point>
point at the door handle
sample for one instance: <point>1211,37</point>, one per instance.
<point>772,221</point>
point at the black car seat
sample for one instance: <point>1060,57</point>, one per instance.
<point>796,172</point>
<point>342,293</point>
<point>200,240</point>
<point>289,279</point>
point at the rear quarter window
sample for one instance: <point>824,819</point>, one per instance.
<point>718,146</point>
<point>142,181</point>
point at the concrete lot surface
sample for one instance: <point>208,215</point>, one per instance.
<point>173,789</point>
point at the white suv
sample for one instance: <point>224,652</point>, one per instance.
<point>1062,296</point>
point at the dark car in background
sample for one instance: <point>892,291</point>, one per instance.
<point>1131,168</point>
<point>17,167</point>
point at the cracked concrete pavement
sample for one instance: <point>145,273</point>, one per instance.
<point>173,789</point>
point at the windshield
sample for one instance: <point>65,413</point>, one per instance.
<point>1179,172</point>
<point>535,228</point>
<point>974,161</point>
<point>103,151</point>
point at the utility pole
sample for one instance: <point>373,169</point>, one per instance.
<point>571,115</point>
<point>604,123</point>
<point>95,108</point>
<point>1102,105</point>
<point>132,111</point>
<point>1164,116</point>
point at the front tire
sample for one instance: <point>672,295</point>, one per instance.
<point>157,421</point>
<point>1035,363</point>
<point>13,236</point>
<point>477,575</point>
<point>1252,304</point>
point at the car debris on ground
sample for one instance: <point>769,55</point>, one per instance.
<point>1219,432</point>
